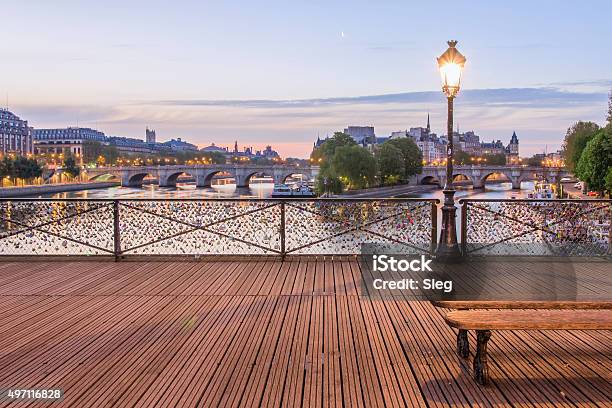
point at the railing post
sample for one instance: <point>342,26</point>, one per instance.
<point>434,226</point>
<point>282,231</point>
<point>116,231</point>
<point>464,205</point>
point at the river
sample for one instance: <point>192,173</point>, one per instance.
<point>261,188</point>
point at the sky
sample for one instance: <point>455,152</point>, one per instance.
<point>282,72</point>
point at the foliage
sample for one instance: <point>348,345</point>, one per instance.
<point>328,183</point>
<point>534,161</point>
<point>390,163</point>
<point>261,160</point>
<point>328,179</point>
<point>609,117</point>
<point>70,167</point>
<point>323,154</point>
<point>413,158</point>
<point>596,160</point>
<point>26,169</point>
<point>608,181</point>
<point>20,167</point>
<point>94,150</point>
<point>576,139</point>
<point>355,165</point>
<point>214,157</point>
<point>461,157</point>
<point>495,159</point>
<point>392,180</point>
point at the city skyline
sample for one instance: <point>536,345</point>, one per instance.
<point>282,75</point>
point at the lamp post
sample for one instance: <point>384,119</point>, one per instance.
<point>451,64</point>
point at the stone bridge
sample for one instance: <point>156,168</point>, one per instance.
<point>478,174</point>
<point>202,173</point>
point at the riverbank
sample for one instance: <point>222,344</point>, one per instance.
<point>33,191</point>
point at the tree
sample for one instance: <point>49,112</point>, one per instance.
<point>535,161</point>
<point>461,157</point>
<point>609,181</point>
<point>26,169</point>
<point>214,157</point>
<point>413,158</point>
<point>495,159</point>
<point>70,167</point>
<point>596,160</point>
<point>327,182</point>
<point>609,117</point>
<point>96,152</point>
<point>390,164</point>
<point>323,154</point>
<point>354,165</point>
<point>576,139</point>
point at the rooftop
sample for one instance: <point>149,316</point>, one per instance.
<point>265,332</point>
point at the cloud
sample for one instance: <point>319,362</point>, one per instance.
<point>540,115</point>
<point>510,97</point>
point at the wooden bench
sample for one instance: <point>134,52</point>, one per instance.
<point>542,316</point>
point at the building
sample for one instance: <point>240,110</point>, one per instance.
<point>179,145</point>
<point>65,140</point>
<point>214,148</point>
<point>131,146</point>
<point>513,148</point>
<point>268,153</point>
<point>15,134</point>
<point>363,135</point>
<point>150,136</point>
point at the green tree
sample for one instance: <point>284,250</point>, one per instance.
<point>214,157</point>
<point>70,167</point>
<point>26,169</point>
<point>462,157</point>
<point>609,181</point>
<point>354,165</point>
<point>390,164</point>
<point>322,155</point>
<point>596,161</point>
<point>413,158</point>
<point>496,159</point>
<point>327,182</point>
<point>92,151</point>
<point>534,161</point>
<point>576,139</point>
<point>609,117</point>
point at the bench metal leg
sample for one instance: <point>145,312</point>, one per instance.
<point>481,369</point>
<point>463,345</point>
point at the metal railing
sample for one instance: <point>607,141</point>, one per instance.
<point>126,227</point>
<point>536,227</point>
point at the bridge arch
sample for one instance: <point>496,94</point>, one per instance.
<point>305,175</point>
<point>205,180</point>
<point>104,177</point>
<point>462,178</point>
<point>428,180</point>
<point>136,179</point>
<point>170,179</point>
<point>245,180</point>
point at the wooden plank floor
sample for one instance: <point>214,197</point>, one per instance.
<point>265,333</point>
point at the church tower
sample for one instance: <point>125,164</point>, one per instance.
<point>428,127</point>
<point>513,147</point>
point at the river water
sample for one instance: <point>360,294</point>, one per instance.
<point>263,189</point>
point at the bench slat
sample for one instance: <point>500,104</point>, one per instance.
<point>530,319</point>
<point>487,304</point>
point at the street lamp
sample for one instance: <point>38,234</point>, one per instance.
<point>451,64</point>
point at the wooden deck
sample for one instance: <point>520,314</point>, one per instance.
<point>265,333</point>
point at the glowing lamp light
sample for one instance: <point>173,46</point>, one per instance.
<point>451,65</point>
